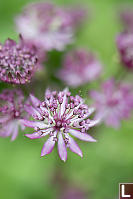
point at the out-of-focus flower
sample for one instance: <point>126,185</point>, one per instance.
<point>125,47</point>
<point>126,17</point>
<point>60,116</point>
<point>18,62</point>
<point>79,67</point>
<point>73,193</point>
<point>11,113</point>
<point>49,26</point>
<point>113,103</point>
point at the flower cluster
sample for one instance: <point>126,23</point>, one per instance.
<point>79,67</point>
<point>49,26</point>
<point>114,103</point>
<point>18,62</point>
<point>60,116</point>
<point>11,113</point>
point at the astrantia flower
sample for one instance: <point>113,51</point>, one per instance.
<point>126,17</point>
<point>73,193</point>
<point>11,113</point>
<point>18,62</point>
<point>60,116</point>
<point>125,47</point>
<point>79,67</point>
<point>48,26</point>
<point>113,103</point>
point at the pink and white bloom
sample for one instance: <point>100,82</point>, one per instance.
<point>60,117</point>
<point>114,103</point>
<point>11,113</point>
<point>49,26</point>
<point>79,67</point>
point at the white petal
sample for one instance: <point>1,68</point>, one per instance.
<point>64,101</point>
<point>93,123</point>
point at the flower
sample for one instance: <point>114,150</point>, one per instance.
<point>73,192</point>
<point>113,103</point>
<point>11,113</point>
<point>60,116</point>
<point>126,17</point>
<point>125,47</point>
<point>79,67</point>
<point>18,62</point>
<point>49,26</point>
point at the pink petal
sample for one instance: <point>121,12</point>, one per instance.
<point>48,146</point>
<point>31,110</point>
<point>7,129</point>
<point>34,124</point>
<point>82,136</point>
<point>108,87</point>
<point>62,148</point>
<point>74,147</point>
<point>113,120</point>
<point>34,100</point>
<point>97,96</point>
<point>36,135</point>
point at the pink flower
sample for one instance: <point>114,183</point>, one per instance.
<point>60,116</point>
<point>49,26</point>
<point>11,113</point>
<point>79,67</point>
<point>18,62</point>
<point>125,47</point>
<point>113,103</point>
<point>126,17</point>
<point>73,193</point>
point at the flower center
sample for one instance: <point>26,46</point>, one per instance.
<point>61,123</point>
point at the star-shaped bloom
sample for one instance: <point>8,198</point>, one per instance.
<point>79,67</point>
<point>49,26</point>
<point>18,62</point>
<point>60,117</point>
<point>114,103</point>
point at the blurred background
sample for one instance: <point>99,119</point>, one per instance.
<point>23,174</point>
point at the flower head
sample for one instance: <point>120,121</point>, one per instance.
<point>60,116</point>
<point>113,103</point>
<point>48,26</point>
<point>79,67</point>
<point>18,62</point>
<point>125,47</point>
<point>11,112</point>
